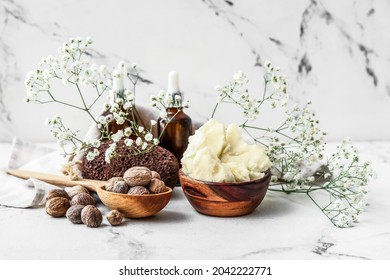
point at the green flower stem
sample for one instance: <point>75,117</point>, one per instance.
<point>99,94</point>
<point>85,105</point>
<point>169,120</point>
<point>215,109</point>
<point>58,101</point>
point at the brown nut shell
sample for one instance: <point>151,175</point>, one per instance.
<point>156,175</point>
<point>74,213</point>
<point>57,193</point>
<point>138,190</point>
<point>83,199</point>
<point>72,191</point>
<point>91,216</point>
<point>120,187</point>
<point>137,176</point>
<point>114,217</point>
<point>112,181</point>
<point>57,206</point>
<point>156,186</point>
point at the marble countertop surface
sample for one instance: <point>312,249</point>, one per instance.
<point>282,227</point>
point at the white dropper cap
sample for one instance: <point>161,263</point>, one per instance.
<point>173,82</point>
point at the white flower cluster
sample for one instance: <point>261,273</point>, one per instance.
<point>296,148</point>
<point>297,143</point>
<point>236,92</point>
<point>71,68</point>
<point>348,179</point>
<point>163,100</point>
<point>64,135</point>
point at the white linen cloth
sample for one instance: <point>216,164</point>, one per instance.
<point>15,192</point>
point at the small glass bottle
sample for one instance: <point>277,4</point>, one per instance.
<point>119,92</point>
<point>176,128</point>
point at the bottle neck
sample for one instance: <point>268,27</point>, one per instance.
<point>174,110</point>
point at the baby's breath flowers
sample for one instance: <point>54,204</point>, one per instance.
<point>296,148</point>
<point>119,120</point>
<point>163,100</point>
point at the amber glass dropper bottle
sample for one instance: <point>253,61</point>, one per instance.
<point>118,91</point>
<point>175,130</point>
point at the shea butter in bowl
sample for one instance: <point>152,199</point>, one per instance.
<point>224,199</point>
<point>221,174</point>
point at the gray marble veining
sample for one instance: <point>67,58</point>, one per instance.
<point>334,53</point>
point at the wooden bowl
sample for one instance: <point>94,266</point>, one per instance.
<point>135,206</point>
<point>224,199</point>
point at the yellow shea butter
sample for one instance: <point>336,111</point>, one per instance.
<point>219,154</point>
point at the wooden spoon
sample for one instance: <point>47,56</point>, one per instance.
<point>57,180</point>
<point>132,206</point>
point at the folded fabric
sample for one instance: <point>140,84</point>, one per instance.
<point>20,193</point>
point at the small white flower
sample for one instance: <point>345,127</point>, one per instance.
<point>91,156</point>
<point>118,118</point>
<point>156,141</point>
<point>129,142</point>
<point>127,105</point>
<point>138,141</point>
<point>149,137</point>
<point>102,120</point>
<point>127,131</point>
<point>161,94</point>
<point>141,129</point>
<point>144,146</point>
<point>344,219</point>
<point>130,97</point>
<point>95,143</point>
<point>153,122</point>
<point>119,101</point>
<point>117,136</point>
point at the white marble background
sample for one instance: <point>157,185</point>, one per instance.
<point>336,53</point>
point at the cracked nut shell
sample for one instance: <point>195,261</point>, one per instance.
<point>110,183</point>
<point>114,217</point>
<point>74,214</point>
<point>72,191</point>
<point>137,176</point>
<point>156,186</point>
<point>83,199</point>
<point>138,190</point>
<point>57,193</point>
<point>57,206</point>
<point>91,216</point>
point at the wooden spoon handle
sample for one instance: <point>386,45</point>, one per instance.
<point>57,180</point>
